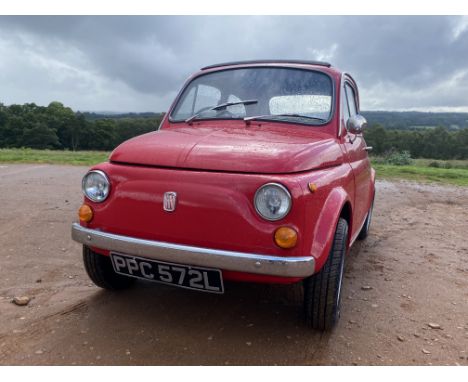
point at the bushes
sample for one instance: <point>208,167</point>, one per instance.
<point>437,164</point>
<point>397,158</point>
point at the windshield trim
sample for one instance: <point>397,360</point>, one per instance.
<point>333,95</point>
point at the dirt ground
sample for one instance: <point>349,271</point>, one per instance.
<point>413,268</point>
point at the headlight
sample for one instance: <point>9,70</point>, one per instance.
<point>272,201</point>
<point>96,186</point>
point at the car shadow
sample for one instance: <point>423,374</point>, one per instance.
<point>251,324</point>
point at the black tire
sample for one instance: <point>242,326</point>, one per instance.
<point>322,291</point>
<point>366,227</point>
<point>100,271</point>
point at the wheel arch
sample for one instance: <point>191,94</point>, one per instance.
<point>337,205</point>
<point>347,214</point>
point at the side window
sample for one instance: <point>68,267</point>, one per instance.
<point>206,96</point>
<point>351,100</point>
<point>345,108</point>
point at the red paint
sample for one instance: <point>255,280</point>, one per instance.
<point>232,146</point>
<point>216,167</point>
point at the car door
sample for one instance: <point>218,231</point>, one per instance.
<point>356,148</point>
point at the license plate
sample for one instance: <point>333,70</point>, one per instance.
<point>184,276</point>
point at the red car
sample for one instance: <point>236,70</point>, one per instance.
<point>259,172</point>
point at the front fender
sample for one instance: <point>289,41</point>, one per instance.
<point>326,223</point>
<point>372,175</point>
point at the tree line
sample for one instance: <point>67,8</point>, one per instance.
<point>58,127</point>
<point>436,143</point>
<point>413,120</point>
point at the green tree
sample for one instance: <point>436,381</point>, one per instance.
<point>40,136</point>
<point>461,143</point>
<point>99,135</point>
<point>376,136</point>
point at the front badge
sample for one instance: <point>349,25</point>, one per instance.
<point>170,201</point>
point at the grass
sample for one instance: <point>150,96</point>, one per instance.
<point>453,163</point>
<point>419,170</point>
<point>84,158</point>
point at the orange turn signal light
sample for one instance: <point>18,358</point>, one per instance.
<point>85,213</point>
<point>285,237</point>
<point>312,187</point>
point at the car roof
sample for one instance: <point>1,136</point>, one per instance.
<point>269,61</point>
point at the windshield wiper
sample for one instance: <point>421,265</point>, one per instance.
<point>219,107</point>
<point>273,116</point>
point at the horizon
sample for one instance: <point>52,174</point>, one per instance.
<point>117,112</point>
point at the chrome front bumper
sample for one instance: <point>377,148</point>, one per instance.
<point>204,257</point>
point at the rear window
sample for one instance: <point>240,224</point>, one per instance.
<point>315,105</point>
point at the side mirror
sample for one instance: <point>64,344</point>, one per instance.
<point>356,124</point>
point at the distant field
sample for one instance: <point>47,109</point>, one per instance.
<point>456,176</point>
<point>456,164</point>
<point>421,170</point>
<point>425,170</point>
<point>52,156</point>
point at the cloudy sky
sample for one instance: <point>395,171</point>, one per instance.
<point>103,63</point>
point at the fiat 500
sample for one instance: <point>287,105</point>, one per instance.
<point>258,173</point>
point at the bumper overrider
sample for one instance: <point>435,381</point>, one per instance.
<point>197,256</point>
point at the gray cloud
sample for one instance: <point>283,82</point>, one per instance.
<point>139,63</point>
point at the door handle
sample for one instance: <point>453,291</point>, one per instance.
<point>367,148</point>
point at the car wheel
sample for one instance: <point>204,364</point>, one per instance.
<point>322,291</point>
<point>100,271</point>
<point>365,228</point>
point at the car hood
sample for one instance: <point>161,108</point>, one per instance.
<point>255,149</point>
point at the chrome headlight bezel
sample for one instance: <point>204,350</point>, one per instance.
<point>106,181</point>
<point>282,189</point>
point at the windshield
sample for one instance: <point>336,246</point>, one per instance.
<point>285,94</point>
